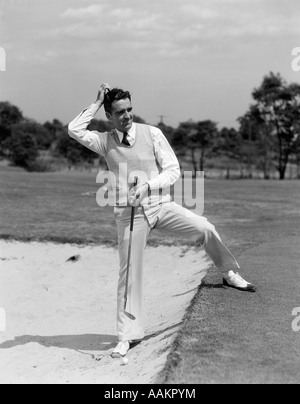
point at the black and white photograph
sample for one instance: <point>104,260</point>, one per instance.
<point>149,194</point>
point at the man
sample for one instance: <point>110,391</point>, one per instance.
<point>129,148</point>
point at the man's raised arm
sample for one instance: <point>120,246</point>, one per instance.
<point>93,140</point>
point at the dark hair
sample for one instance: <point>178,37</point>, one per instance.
<point>116,94</point>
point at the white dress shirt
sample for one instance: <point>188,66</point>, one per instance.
<point>96,141</point>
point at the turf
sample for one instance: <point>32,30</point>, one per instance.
<point>236,337</point>
<point>52,207</point>
<point>59,207</point>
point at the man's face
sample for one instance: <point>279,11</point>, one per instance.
<point>121,115</point>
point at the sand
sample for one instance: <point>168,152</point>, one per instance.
<point>60,314</point>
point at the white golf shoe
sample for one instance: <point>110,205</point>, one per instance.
<point>121,350</point>
<point>236,281</point>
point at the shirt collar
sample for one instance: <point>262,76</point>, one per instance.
<point>131,133</point>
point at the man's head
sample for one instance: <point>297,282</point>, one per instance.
<point>118,108</point>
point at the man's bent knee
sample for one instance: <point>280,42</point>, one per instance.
<point>209,232</point>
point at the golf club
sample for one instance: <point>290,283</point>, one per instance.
<point>129,315</point>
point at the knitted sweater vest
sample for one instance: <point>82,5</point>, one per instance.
<point>126,162</point>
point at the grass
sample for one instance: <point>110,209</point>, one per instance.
<point>235,337</point>
<point>59,207</point>
<point>227,336</point>
<point>52,207</point>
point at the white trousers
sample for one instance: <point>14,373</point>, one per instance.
<point>170,217</point>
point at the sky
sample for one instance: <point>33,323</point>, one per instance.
<point>184,59</point>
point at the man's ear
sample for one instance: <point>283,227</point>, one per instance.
<point>108,116</point>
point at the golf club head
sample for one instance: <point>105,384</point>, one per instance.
<point>129,315</point>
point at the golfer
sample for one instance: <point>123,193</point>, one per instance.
<point>130,148</point>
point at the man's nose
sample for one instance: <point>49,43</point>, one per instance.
<point>128,115</point>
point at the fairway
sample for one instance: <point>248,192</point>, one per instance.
<point>227,336</point>
<point>233,337</point>
<point>62,207</point>
<point>59,207</point>
<point>53,207</point>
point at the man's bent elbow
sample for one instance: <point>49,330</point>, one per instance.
<point>177,174</point>
<point>71,130</point>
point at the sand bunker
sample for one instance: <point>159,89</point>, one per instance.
<point>60,314</point>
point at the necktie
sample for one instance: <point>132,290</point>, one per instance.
<point>125,140</point>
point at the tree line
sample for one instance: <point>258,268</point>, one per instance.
<point>267,139</point>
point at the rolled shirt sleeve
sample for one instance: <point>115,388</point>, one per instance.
<point>93,140</point>
<point>167,160</point>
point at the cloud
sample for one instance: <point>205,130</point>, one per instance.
<point>170,17</point>
<point>92,10</point>
<point>106,23</point>
<point>29,58</point>
<point>171,28</point>
<point>194,11</point>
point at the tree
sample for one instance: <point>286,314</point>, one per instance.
<point>23,149</point>
<point>279,107</point>
<point>206,138</point>
<point>229,146</point>
<point>168,131</point>
<point>198,138</point>
<point>42,136</point>
<point>183,141</point>
<point>73,152</point>
<point>258,146</point>
<point>9,116</point>
<point>55,128</point>
<point>296,150</point>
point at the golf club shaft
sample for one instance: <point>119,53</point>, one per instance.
<point>128,259</point>
<point>129,256</point>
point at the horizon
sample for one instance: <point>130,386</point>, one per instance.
<point>206,56</point>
